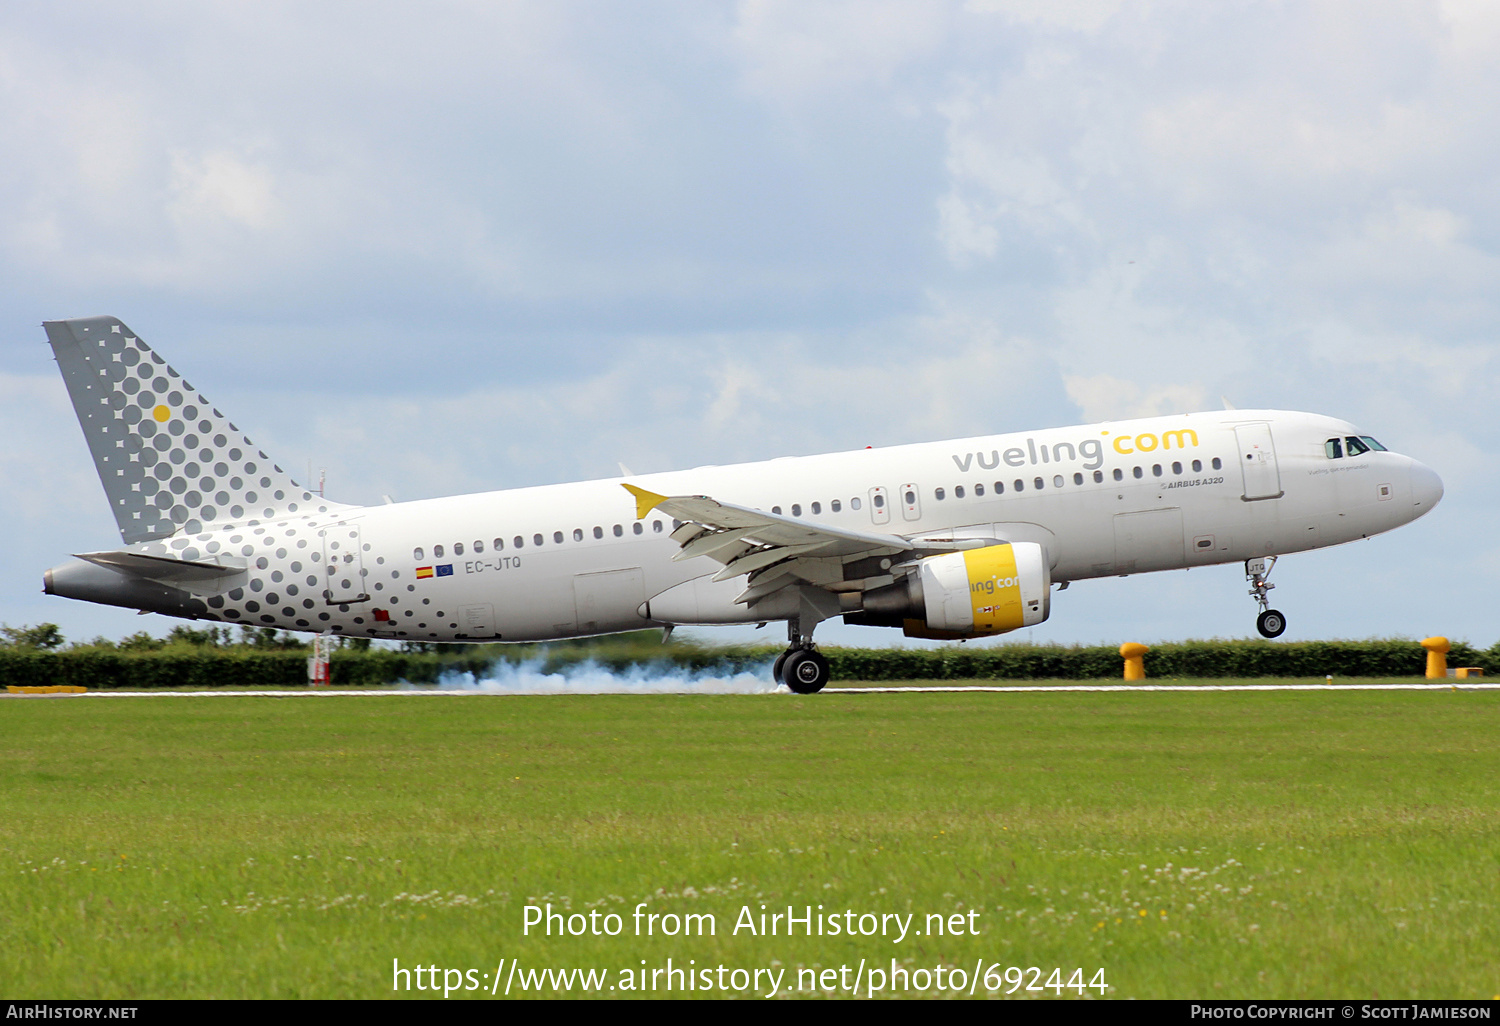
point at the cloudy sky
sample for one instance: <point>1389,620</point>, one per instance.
<point>471,245</point>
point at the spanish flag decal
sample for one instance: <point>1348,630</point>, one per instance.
<point>423,571</point>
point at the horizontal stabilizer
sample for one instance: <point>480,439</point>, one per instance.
<point>165,568</point>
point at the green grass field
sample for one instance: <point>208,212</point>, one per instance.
<point>1217,845</point>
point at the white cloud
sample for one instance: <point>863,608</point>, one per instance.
<point>792,48</point>
<point>1074,16</point>
<point>210,189</point>
<point>1102,397</point>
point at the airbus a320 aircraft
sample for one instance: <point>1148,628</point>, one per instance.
<point>960,539</point>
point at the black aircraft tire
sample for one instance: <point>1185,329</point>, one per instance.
<point>1271,624</point>
<point>780,665</point>
<point>805,672</point>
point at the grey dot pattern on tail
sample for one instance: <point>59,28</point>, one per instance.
<point>177,463</point>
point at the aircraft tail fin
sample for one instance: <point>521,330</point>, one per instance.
<point>168,460</point>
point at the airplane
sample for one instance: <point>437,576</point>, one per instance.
<point>951,539</point>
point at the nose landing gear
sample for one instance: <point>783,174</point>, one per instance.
<point>801,667</point>
<point>1271,623</point>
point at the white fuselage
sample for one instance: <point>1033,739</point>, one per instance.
<point>567,560</point>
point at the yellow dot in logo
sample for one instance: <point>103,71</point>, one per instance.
<point>162,414</point>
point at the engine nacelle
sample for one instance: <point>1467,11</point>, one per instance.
<point>970,594</point>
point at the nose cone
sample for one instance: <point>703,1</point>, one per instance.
<point>1426,487</point>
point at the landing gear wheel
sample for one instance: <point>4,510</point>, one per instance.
<point>780,664</point>
<point>805,671</point>
<point>1271,623</point>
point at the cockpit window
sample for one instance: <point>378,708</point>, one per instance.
<point>1373,444</point>
<point>1334,447</point>
<point>1355,446</point>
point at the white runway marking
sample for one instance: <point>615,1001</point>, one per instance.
<point>956,689</point>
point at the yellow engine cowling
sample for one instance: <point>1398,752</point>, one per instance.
<point>970,594</point>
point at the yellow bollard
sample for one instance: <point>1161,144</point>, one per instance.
<point>1437,656</point>
<point>1135,663</point>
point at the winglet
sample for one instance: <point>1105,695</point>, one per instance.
<point>645,501</point>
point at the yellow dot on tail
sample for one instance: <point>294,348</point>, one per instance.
<point>161,413</point>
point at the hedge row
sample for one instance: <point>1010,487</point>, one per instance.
<point>209,668</point>
<point>1186,659</point>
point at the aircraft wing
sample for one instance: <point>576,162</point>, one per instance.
<point>777,551</point>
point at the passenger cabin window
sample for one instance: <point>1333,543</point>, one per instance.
<point>937,493</point>
<point>578,534</point>
<point>417,554</point>
<point>796,509</point>
<point>1218,463</point>
<point>1334,447</point>
<point>776,510</point>
<point>879,501</point>
<point>1037,483</point>
<point>835,505</point>
<point>1137,472</point>
<point>536,539</point>
<point>557,537</point>
<point>958,491</point>
<point>1078,479</point>
<point>1197,466</point>
<point>458,548</point>
<point>817,508</point>
<point>1019,485</point>
<point>979,491</point>
<point>478,546</point>
<point>1156,470</point>
<point>1098,476</point>
<point>499,544</point>
<point>1176,468</point>
<point>656,526</point>
<point>911,498</point>
<point>1057,481</point>
<point>437,552</point>
<point>636,528</point>
<point>519,542</point>
<point>854,503</point>
<point>598,533</point>
<point>619,531</point>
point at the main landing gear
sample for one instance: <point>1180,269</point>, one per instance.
<point>1271,623</point>
<point>801,667</point>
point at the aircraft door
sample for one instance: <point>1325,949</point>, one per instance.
<point>343,565</point>
<point>911,502</point>
<point>1257,459</point>
<point>880,506</point>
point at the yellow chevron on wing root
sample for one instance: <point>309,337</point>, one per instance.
<point>645,501</point>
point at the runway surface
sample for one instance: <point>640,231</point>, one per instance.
<point>626,689</point>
